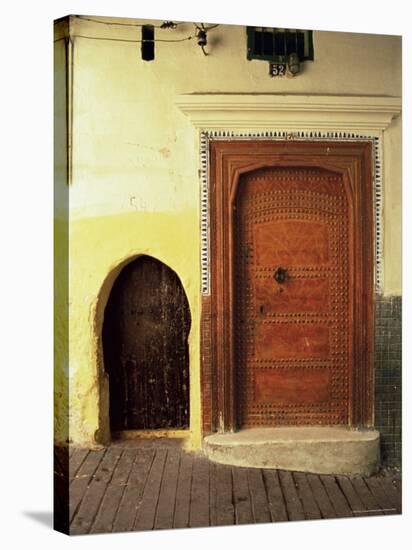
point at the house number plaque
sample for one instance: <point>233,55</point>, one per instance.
<point>277,69</point>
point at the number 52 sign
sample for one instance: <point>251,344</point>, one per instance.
<point>277,69</point>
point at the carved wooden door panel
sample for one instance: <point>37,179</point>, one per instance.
<point>292,324</point>
<point>146,326</point>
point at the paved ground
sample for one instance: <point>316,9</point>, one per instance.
<point>135,486</point>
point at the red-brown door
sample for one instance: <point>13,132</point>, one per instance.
<point>293,352</point>
<point>287,328</point>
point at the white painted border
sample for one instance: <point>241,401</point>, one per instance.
<point>291,112</point>
<point>208,135</point>
<point>283,116</point>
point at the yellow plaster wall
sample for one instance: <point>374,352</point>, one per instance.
<point>61,249</point>
<point>108,242</point>
<point>135,183</point>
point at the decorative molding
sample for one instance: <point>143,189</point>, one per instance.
<point>303,112</point>
<point>207,136</point>
<point>301,117</point>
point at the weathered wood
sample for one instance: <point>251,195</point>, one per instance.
<point>126,513</point>
<point>377,490</point>
<point>305,493</point>
<point>276,502</point>
<point>82,479</point>
<point>351,495</point>
<point>260,506</point>
<point>293,505</point>
<point>93,496</point>
<point>167,496</point>
<point>393,492</point>
<point>146,510</point>
<point>321,496</point>
<point>124,489</point>
<point>111,499</point>
<point>370,504</point>
<point>397,483</point>
<point>146,354</point>
<point>241,496</point>
<point>212,494</point>
<point>184,483</point>
<point>336,496</point>
<point>199,508</point>
<point>225,512</point>
<point>76,460</point>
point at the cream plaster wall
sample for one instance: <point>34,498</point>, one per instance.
<point>135,160</point>
<point>61,250</point>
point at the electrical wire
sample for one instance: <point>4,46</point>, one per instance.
<point>202,25</point>
<point>104,38</point>
<point>130,40</point>
<point>190,37</point>
<point>122,24</point>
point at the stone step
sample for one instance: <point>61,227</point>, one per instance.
<point>321,450</point>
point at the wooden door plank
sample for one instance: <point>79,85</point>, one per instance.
<point>336,496</point>
<point>241,497</point>
<point>370,504</point>
<point>321,496</point>
<point>199,505</point>
<point>146,509</point>
<point>184,484</point>
<point>293,505</point>
<point>93,496</point>
<point>305,493</point>
<point>167,496</point>
<point>274,493</point>
<point>225,513</point>
<point>114,492</point>
<point>260,506</point>
<point>76,460</point>
<point>132,496</point>
<point>380,495</point>
<point>82,479</point>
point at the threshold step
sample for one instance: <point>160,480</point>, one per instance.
<point>322,450</point>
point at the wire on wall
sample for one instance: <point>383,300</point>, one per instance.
<point>200,33</point>
<point>164,25</point>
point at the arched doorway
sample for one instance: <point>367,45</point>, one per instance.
<point>145,330</point>
<point>289,324</point>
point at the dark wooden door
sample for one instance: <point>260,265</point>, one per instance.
<point>293,340</point>
<point>146,326</point>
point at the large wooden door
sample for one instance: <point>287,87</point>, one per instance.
<point>146,326</point>
<point>292,300</point>
<point>287,328</point>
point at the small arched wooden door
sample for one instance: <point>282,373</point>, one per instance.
<point>145,331</point>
